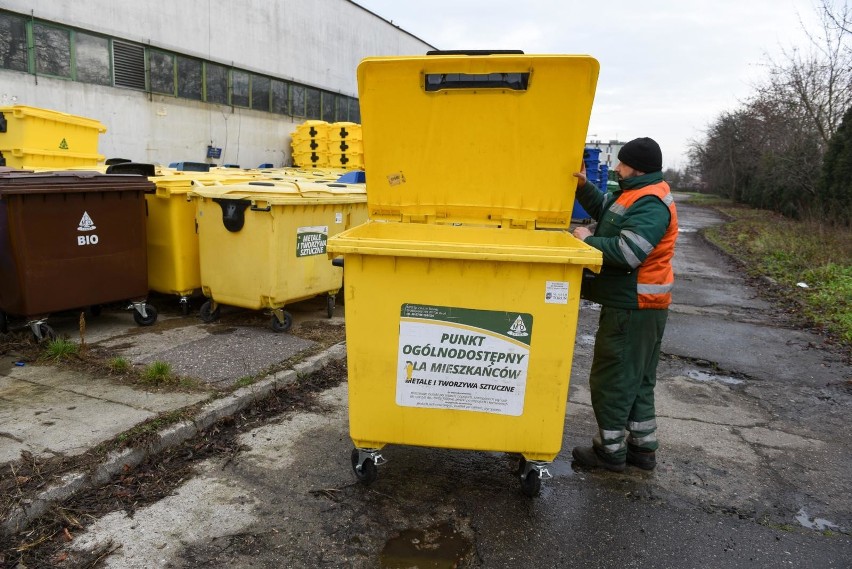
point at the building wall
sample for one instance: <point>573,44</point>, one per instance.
<point>315,42</point>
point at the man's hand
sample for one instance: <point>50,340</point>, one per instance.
<point>581,232</point>
<point>581,176</point>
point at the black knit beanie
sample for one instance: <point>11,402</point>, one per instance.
<point>642,154</point>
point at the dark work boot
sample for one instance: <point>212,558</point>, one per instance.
<point>590,457</point>
<point>644,459</point>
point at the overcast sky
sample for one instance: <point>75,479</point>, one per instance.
<point>668,67</point>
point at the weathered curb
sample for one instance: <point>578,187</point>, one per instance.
<point>74,482</point>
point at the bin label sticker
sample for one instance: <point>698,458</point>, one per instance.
<point>86,223</point>
<point>396,179</point>
<point>311,240</point>
<point>556,292</point>
<point>338,217</point>
<point>463,359</point>
<point>63,145</point>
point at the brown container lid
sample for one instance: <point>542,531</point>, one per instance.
<point>23,182</point>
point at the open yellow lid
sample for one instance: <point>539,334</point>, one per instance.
<point>481,139</point>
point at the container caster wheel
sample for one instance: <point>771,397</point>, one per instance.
<point>329,305</point>
<point>367,472</point>
<point>4,323</point>
<point>282,325</point>
<point>149,318</point>
<point>185,308</point>
<point>44,333</point>
<point>531,484</point>
<point>531,473</point>
<point>207,313</point>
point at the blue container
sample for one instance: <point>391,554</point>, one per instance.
<point>591,153</point>
<point>353,177</point>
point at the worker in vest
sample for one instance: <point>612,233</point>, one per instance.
<point>636,232</point>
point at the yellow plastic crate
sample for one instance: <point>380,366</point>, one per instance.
<point>344,131</point>
<point>353,161</point>
<point>42,138</point>
<point>317,159</point>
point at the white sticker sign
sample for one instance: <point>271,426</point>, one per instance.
<point>463,359</point>
<point>556,292</point>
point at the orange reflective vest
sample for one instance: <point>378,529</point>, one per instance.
<point>654,277</point>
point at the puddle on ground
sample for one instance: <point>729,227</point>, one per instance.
<point>817,523</point>
<point>439,547</point>
<point>699,375</point>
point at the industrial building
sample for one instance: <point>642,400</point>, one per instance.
<point>197,80</point>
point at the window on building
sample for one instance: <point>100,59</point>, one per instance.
<point>260,92</point>
<point>354,111</point>
<point>239,88</point>
<point>189,84</point>
<point>52,50</point>
<point>216,82</point>
<point>313,106</point>
<point>280,97</point>
<point>129,65</point>
<point>91,54</point>
<point>328,107</point>
<point>161,67</point>
<point>13,42</point>
<point>342,108</point>
<point>298,100</point>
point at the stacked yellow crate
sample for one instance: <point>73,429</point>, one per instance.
<point>345,146</point>
<point>310,144</point>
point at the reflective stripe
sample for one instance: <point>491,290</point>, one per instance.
<point>629,256</point>
<point>651,438</point>
<point>611,435</point>
<point>607,199</point>
<point>642,425</point>
<point>639,241</point>
<point>668,199</point>
<point>654,289</point>
<point>613,448</point>
<point>618,208</point>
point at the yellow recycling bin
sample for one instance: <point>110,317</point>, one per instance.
<point>31,137</point>
<point>462,291</point>
<point>262,244</point>
<point>173,266</point>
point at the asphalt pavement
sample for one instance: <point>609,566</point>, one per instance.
<point>753,468</point>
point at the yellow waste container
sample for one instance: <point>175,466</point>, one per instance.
<point>31,137</point>
<point>462,291</point>
<point>262,245</point>
<point>173,265</point>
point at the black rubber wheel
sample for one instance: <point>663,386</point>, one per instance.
<point>185,308</point>
<point>208,315</point>
<point>4,323</point>
<point>329,305</point>
<point>95,310</point>
<point>368,472</point>
<point>522,463</point>
<point>48,334</point>
<point>531,485</point>
<point>149,318</point>
<point>279,326</point>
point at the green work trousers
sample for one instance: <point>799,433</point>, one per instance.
<point>623,376</point>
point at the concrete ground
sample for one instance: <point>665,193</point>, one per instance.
<point>753,466</point>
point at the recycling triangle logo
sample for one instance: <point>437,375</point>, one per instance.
<point>518,328</point>
<point>63,145</point>
<point>86,223</point>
